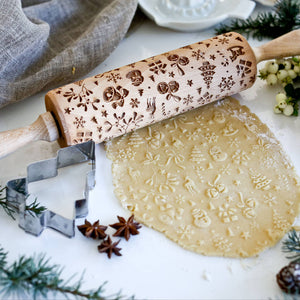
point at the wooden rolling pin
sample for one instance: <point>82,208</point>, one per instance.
<point>119,101</point>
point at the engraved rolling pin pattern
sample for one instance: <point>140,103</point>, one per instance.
<point>119,101</point>
<point>148,91</point>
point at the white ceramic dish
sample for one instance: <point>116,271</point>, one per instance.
<point>187,16</point>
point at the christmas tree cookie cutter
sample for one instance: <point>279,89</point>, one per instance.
<point>17,190</point>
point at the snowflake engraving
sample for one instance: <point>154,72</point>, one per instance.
<point>269,199</point>
<point>134,102</point>
<point>158,67</point>
<point>188,100</point>
<point>114,77</point>
<point>240,157</point>
<point>206,98</point>
<point>185,232</point>
<point>198,54</point>
<point>226,83</point>
<point>79,122</point>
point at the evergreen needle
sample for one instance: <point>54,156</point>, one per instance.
<point>34,208</point>
<point>284,18</point>
<point>3,203</point>
<point>36,277</point>
<point>292,245</point>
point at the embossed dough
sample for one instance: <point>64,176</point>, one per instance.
<point>215,180</point>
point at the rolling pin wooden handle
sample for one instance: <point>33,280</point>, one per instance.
<point>44,128</point>
<point>284,46</point>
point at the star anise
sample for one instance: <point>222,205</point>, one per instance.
<point>109,247</point>
<point>126,228</point>
<point>95,231</point>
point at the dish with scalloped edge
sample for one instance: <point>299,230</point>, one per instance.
<point>193,15</point>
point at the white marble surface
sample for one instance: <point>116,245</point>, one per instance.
<point>152,267</point>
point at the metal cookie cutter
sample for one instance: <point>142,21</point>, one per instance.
<point>17,190</point>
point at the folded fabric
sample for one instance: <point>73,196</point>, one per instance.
<point>44,44</point>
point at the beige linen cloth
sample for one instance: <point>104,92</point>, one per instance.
<point>44,44</point>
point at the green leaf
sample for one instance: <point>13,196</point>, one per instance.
<point>296,59</point>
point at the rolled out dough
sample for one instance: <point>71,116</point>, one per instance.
<point>215,180</point>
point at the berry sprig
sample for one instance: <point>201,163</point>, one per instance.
<point>285,72</point>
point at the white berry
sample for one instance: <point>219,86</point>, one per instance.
<point>297,69</point>
<point>287,65</point>
<point>280,97</point>
<point>288,110</point>
<point>282,74</point>
<point>263,71</point>
<point>282,104</point>
<point>273,67</point>
<point>272,79</point>
<point>292,74</point>
<point>277,110</point>
<point>268,63</point>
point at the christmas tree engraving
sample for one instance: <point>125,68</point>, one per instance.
<point>207,73</point>
<point>196,155</point>
<point>135,140</point>
<point>261,182</point>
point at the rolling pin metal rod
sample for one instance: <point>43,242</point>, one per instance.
<point>122,100</point>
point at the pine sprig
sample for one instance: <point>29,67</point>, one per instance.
<point>6,207</point>
<point>33,208</point>
<point>284,18</point>
<point>3,256</point>
<point>292,245</point>
<point>36,277</point>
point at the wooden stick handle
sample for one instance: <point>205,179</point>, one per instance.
<point>44,128</point>
<point>284,46</point>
